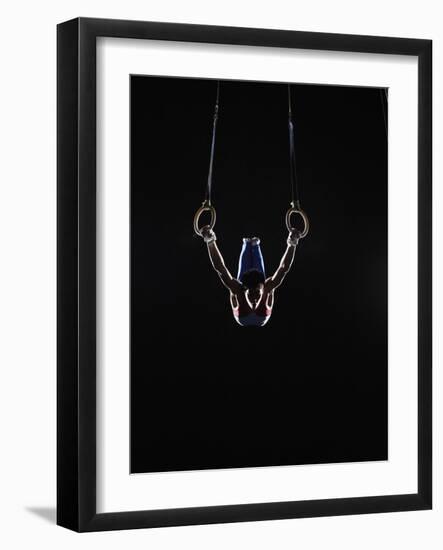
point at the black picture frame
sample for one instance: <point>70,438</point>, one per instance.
<point>76,280</point>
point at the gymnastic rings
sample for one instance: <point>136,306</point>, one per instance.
<point>297,210</point>
<point>205,207</point>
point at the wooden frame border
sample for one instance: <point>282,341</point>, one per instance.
<point>76,273</point>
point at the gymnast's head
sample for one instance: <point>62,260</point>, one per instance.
<point>253,282</point>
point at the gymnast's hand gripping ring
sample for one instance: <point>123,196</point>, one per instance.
<point>297,210</point>
<point>206,207</point>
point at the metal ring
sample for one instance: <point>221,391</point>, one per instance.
<point>204,208</point>
<point>304,216</point>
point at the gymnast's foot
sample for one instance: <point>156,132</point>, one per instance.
<point>252,240</point>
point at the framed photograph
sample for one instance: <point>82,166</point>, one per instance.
<point>244,274</point>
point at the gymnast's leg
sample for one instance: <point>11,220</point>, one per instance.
<point>257,256</point>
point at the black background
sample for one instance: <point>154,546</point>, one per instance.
<point>310,386</point>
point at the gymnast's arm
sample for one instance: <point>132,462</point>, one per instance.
<point>218,262</point>
<point>286,262</point>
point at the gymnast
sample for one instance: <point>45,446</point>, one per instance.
<point>251,293</point>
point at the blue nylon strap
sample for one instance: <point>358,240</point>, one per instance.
<point>211,158</point>
<point>295,200</point>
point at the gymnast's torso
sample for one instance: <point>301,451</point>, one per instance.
<point>252,313</point>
